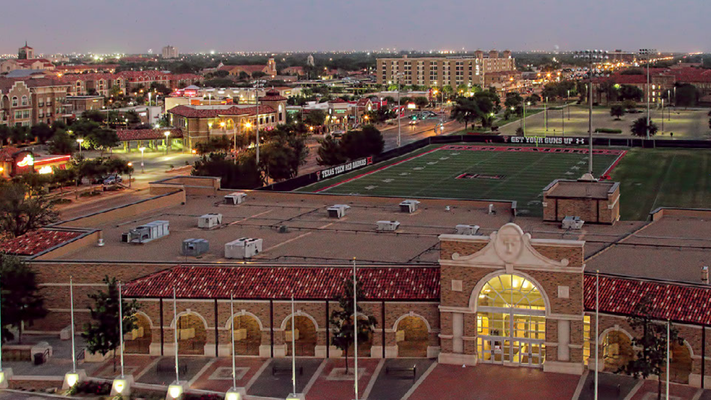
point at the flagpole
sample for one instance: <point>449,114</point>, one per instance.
<point>71,308</point>
<point>232,313</point>
<point>597,329</point>
<point>355,328</point>
<point>121,325</point>
<point>668,359</point>
<point>293,346</point>
<point>175,317</point>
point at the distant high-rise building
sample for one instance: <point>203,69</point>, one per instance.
<point>26,52</point>
<point>310,60</point>
<point>170,52</point>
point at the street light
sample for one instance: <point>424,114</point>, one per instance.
<point>648,53</point>
<point>80,141</point>
<point>167,134</point>
<point>130,168</point>
<point>142,150</point>
<point>592,56</point>
<point>398,76</point>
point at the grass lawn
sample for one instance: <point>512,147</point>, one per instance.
<point>470,172</point>
<point>652,178</point>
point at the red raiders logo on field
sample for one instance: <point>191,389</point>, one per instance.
<point>370,160</point>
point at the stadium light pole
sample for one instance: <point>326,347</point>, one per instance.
<point>648,53</point>
<point>398,76</point>
<point>591,56</point>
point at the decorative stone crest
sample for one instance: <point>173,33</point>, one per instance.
<point>508,242</point>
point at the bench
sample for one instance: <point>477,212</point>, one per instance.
<point>412,369</point>
<point>277,369</point>
<point>169,367</point>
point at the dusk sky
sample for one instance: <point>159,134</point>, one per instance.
<point>132,26</point>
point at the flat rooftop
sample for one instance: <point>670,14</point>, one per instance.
<point>673,247</point>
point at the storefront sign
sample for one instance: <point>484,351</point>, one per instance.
<point>344,168</point>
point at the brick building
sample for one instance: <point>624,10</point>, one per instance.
<point>518,293</point>
<point>441,71</point>
<point>593,202</point>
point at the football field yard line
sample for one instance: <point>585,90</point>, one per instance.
<point>469,166</point>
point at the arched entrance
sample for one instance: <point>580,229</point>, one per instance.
<point>248,335</point>
<point>192,335</point>
<point>138,341</point>
<point>681,363</point>
<point>511,322</point>
<point>412,337</point>
<point>616,350</point>
<point>305,339</point>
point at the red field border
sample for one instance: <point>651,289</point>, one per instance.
<point>375,170</point>
<point>559,150</point>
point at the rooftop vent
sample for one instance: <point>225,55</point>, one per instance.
<point>467,229</point>
<point>235,198</point>
<point>209,221</point>
<point>409,206</point>
<point>243,248</point>
<point>337,210</point>
<point>388,225</point>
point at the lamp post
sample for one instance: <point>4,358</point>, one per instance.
<point>591,56</point>
<point>130,169</point>
<point>398,108</point>
<point>142,149</point>
<point>648,53</point>
<point>80,141</point>
<point>167,135</point>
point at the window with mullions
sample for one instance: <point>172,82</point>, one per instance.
<point>511,291</point>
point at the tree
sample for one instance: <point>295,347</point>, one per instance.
<point>651,357</point>
<point>93,115</point>
<point>315,118</point>
<point>629,105</point>
<point>220,144</point>
<point>42,132</point>
<point>21,212</point>
<point>243,76</point>
<point>234,174</point>
<point>103,139</point>
<point>617,111</point>
<point>465,111</point>
<point>629,92</point>
<point>330,152</point>
<point>342,331</point>
<point>103,335</point>
<point>513,100</point>
<point>363,143</point>
<point>132,117</point>
<point>686,95</point>
<point>4,134</point>
<point>63,177</point>
<point>421,102</point>
<point>639,127</point>
<point>534,99</point>
<point>21,300</point>
<point>62,143</point>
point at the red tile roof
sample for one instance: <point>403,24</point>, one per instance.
<point>674,301</point>
<point>337,101</point>
<point>7,152</point>
<point>192,112</point>
<point>147,134</point>
<point>380,283</point>
<point>36,242</point>
<point>273,95</point>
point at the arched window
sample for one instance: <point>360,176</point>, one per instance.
<point>511,322</point>
<point>24,100</point>
<point>14,101</point>
<point>511,291</point>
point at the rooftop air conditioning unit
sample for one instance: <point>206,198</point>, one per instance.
<point>243,248</point>
<point>195,247</point>
<point>388,225</point>
<point>146,233</point>
<point>467,229</point>
<point>209,221</point>
<point>572,223</point>
<point>337,210</point>
<point>409,206</point>
<point>235,198</point>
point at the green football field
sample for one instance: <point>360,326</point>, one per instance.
<point>472,172</point>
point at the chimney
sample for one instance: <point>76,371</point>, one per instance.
<point>705,274</point>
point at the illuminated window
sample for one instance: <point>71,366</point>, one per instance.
<point>586,339</point>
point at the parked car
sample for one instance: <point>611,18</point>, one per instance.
<point>112,179</point>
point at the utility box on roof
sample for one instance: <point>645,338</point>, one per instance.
<point>146,233</point>
<point>195,247</point>
<point>388,225</point>
<point>209,221</point>
<point>574,223</point>
<point>235,198</point>
<point>409,206</point>
<point>243,248</point>
<point>467,229</point>
<point>337,210</point>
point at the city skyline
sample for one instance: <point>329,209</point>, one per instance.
<point>83,26</point>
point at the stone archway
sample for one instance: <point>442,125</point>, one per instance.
<point>412,337</point>
<point>192,334</point>
<point>138,341</point>
<point>681,363</point>
<point>616,350</point>
<point>306,336</point>
<point>248,335</point>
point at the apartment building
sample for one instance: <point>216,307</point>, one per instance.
<point>169,52</point>
<point>48,98</point>
<point>15,102</point>
<point>440,71</point>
